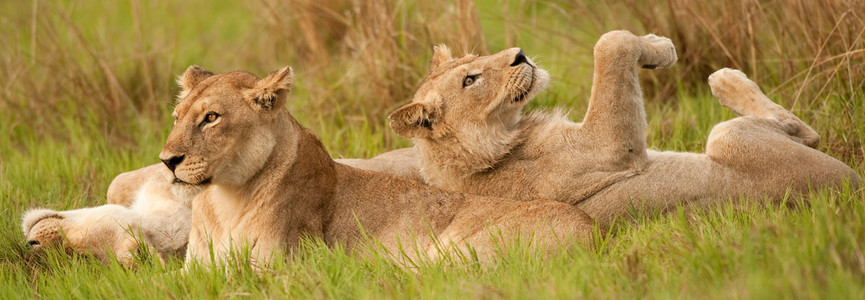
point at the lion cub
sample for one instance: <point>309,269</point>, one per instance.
<point>466,122</point>
<point>270,182</point>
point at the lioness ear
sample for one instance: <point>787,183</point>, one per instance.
<point>441,54</point>
<point>413,120</point>
<point>271,92</point>
<point>192,76</point>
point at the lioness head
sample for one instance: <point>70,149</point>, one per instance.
<point>469,93</point>
<point>221,132</point>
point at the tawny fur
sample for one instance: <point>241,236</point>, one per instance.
<point>474,139</point>
<point>270,182</point>
<point>144,207</point>
<point>400,162</point>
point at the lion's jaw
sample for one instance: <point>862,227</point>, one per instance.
<point>224,132</point>
<point>524,82</point>
<point>464,116</point>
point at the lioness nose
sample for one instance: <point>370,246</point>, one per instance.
<point>520,59</point>
<point>173,161</point>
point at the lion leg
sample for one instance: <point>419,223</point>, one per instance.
<point>616,119</point>
<point>768,144</point>
<point>108,230</point>
<point>738,93</point>
<point>766,153</point>
<point>96,231</point>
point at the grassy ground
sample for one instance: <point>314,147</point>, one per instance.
<point>87,88</point>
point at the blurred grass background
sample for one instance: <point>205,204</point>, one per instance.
<point>88,87</point>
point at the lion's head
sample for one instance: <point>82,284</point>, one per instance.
<point>469,92</point>
<point>221,132</point>
<point>467,108</point>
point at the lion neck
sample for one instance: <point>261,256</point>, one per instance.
<point>447,160</point>
<point>287,195</point>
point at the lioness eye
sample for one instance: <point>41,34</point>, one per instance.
<point>210,117</point>
<point>470,79</point>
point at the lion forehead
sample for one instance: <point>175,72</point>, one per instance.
<point>216,88</point>
<point>446,67</point>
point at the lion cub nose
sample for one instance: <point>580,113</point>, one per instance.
<point>173,161</point>
<point>520,59</point>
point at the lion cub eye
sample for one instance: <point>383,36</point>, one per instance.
<point>470,79</point>
<point>211,117</point>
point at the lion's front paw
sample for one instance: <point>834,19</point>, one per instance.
<point>657,52</point>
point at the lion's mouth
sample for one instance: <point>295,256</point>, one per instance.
<point>522,95</point>
<point>179,181</point>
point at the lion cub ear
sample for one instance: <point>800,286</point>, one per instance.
<point>191,77</point>
<point>271,92</point>
<point>441,54</point>
<point>414,120</point>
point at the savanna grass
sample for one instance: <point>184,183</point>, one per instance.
<point>88,86</point>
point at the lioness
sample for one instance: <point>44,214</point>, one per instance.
<point>146,206</point>
<point>465,120</point>
<point>270,182</point>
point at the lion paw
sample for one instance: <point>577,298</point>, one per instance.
<point>735,91</point>
<point>728,82</point>
<point>43,228</point>
<point>657,52</point>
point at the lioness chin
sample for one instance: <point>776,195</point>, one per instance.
<point>270,182</point>
<point>466,123</point>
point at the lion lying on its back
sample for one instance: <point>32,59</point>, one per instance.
<point>466,122</point>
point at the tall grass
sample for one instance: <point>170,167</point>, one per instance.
<point>365,57</point>
<point>358,60</point>
<point>806,54</point>
<point>86,88</point>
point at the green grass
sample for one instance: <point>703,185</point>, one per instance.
<point>62,148</point>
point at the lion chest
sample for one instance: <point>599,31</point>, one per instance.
<point>228,224</point>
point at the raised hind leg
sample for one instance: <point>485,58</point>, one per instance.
<point>616,120</point>
<point>767,152</point>
<point>768,145</point>
<point>738,93</point>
